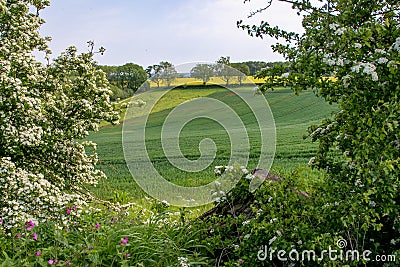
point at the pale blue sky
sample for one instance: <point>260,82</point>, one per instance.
<point>149,31</point>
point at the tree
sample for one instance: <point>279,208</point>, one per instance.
<point>358,43</point>
<point>223,70</point>
<point>243,71</point>
<point>154,73</point>
<point>128,76</point>
<point>164,71</point>
<point>44,111</point>
<point>202,72</point>
<point>255,66</point>
<point>168,72</point>
<point>126,79</point>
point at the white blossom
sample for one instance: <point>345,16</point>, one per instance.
<point>285,75</point>
<point>340,31</point>
<point>396,45</point>
<point>183,262</point>
<point>229,168</point>
<point>273,220</point>
<point>382,60</point>
<point>245,222</point>
<point>358,183</point>
<point>250,176</point>
<point>346,81</point>
<point>333,26</point>
<point>367,68</point>
<point>328,59</point>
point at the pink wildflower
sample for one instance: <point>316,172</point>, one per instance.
<point>38,254</point>
<point>29,225</point>
<point>50,262</point>
<point>124,241</point>
<point>35,236</point>
<point>97,226</point>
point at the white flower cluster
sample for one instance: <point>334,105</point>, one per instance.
<point>367,68</point>
<point>183,262</point>
<point>29,197</point>
<point>218,194</point>
<point>43,111</point>
<point>139,103</point>
<point>285,75</point>
<point>396,45</point>
<point>358,183</point>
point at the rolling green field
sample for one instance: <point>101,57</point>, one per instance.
<point>293,115</point>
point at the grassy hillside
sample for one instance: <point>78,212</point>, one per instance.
<point>293,115</point>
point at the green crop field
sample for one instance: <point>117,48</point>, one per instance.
<point>293,114</point>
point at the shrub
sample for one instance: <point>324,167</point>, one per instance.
<point>358,43</point>
<point>43,111</point>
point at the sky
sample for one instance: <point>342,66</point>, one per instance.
<point>179,31</point>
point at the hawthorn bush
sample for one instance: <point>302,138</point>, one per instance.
<point>44,110</point>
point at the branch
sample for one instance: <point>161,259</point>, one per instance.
<point>304,5</point>
<point>252,14</point>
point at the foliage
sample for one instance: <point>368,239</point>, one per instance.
<point>243,69</point>
<point>223,70</point>
<point>202,72</point>
<point>125,79</point>
<point>43,111</point>
<point>168,73</point>
<point>281,219</point>
<point>357,42</point>
<point>164,71</point>
<point>141,235</point>
<point>256,66</point>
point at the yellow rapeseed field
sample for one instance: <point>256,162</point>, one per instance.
<point>219,81</point>
<point>213,80</point>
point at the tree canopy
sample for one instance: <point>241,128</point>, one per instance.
<point>164,71</point>
<point>128,76</point>
<point>223,70</point>
<point>202,72</point>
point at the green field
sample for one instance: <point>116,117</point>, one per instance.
<point>293,115</point>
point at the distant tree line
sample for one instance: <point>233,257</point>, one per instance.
<point>228,71</point>
<point>125,80</point>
